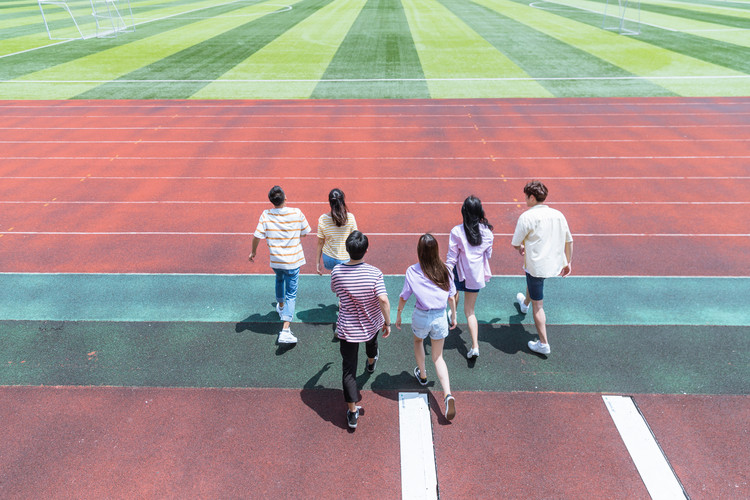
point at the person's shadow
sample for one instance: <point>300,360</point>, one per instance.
<point>323,314</point>
<point>325,402</point>
<point>388,386</point>
<point>266,324</point>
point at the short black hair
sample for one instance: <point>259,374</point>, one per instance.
<point>276,196</point>
<point>356,245</point>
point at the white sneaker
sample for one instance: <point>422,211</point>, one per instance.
<point>521,298</point>
<point>278,310</point>
<point>473,353</point>
<point>287,337</point>
<point>537,346</point>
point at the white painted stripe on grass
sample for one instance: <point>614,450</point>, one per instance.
<point>418,470</point>
<point>653,466</point>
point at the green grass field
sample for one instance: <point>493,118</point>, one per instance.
<point>282,49</point>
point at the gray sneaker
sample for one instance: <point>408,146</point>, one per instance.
<point>537,346</point>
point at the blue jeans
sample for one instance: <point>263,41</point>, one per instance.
<point>329,262</point>
<point>286,291</point>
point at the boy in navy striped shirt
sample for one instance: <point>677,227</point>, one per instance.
<point>363,313</point>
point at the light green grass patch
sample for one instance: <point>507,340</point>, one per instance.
<point>627,52</point>
<point>107,65</point>
<point>293,63</point>
<point>449,49</point>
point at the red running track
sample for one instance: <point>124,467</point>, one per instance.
<point>649,186</point>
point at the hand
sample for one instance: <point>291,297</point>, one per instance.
<point>320,273</point>
<point>398,320</point>
<point>566,270</point>
<point>386,331</point>
<point>252,257</point>
<point>522,250</point>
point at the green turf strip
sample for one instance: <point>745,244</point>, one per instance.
<point>207,60</point>
<point>224,298</point>
<point>647,56</point>
<point>619,359</point>
<point>292,64</point>
<point>379,52</point>
<point>458,62</point>
<point>110,57</point>
<point>543,56</point>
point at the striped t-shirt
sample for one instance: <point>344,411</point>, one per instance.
<point>335,236</point>
<point>358,287</point>
<point>282,228</point>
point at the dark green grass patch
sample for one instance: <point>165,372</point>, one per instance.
<point>379,46</point>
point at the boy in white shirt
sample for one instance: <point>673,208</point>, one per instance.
<point>543,238</point>
<point>282,227</point>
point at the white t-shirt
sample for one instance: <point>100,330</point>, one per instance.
<point>543,231</point>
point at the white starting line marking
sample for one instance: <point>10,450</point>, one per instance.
<point>658,476</point>
<point>418,472</point>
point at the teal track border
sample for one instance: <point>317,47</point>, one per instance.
<point>581,300</point>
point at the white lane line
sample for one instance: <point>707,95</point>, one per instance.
<point>653,466</point>
<point>357,203</point>
<point>418,470</point>
<point>372,158</point>
<point>410,235</point>
<point>372,141</point>
<point>379,178</point>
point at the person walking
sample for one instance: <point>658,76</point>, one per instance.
<point>282,227</point>
<point>469,253</point>
<point>543,238</point>
<point>364,312</point>
<point>333,229</point>
<point>431,283</point>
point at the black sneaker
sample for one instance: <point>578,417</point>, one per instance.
<point>351,418</point>
<point>371,367</point>
<point>418,374</point>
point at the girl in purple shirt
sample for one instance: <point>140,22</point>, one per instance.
<point>431,283</point>
<point>469,252</point>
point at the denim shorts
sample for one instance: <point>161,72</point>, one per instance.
<point>330,262</point>
<point>433,322</point>
<point>535,286</point>
<point>461,285</point>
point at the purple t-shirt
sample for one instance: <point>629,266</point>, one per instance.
<point>428,294</point>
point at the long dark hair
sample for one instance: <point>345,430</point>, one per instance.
<point>338,206</point>
<point>473,214</point>
<point>432,265</point>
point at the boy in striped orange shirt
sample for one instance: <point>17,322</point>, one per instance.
<point>282,227</point>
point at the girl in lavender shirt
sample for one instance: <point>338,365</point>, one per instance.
<point>431,283</point>
<point>469,252</point>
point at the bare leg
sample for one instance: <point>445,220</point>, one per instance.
<point>528,299</point>
<point>470,299</point>
<point>419,355</point>
<point>440,367</point>
<point>540,320</point>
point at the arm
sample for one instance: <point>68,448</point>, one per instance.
<point>401,304</point>
<point>452,304</point>
<point>385,308</point>
<point>256,240</point>
<point>319,254</point>
<point>569,257</point>
<point>452,257</point>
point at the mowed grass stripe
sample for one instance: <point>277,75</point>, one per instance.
<point>543,56</point>
<point>448,48</point>
<point>32,33</point>
<point>718,57</point>
<point>634,54</point>
<point>669,18</point>
<point>379,47</point>
<point>302,53</point>
<point>114,56</point>
<point>203,62</point>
